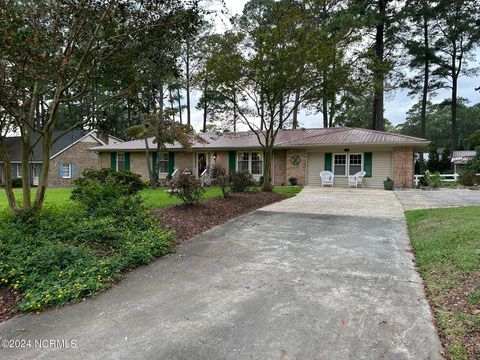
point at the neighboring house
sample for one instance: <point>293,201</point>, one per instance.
<point>460,158</point>
<point>301,153</point>
<point>69,156</point>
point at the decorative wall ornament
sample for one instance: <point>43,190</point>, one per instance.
<point>295,160</point>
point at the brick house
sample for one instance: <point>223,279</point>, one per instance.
<point>300,153</point>
<point>70,155</point>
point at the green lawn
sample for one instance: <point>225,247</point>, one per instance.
<point>446,243</point>
<point>154,199</point>
<point>287,190</point>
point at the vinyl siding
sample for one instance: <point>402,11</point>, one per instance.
<point>381,169</point>
<point>315,164</point>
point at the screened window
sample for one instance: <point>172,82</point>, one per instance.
<point>164,163</point>
<point>251,162</point>
<point>340,165</point>
<point>121,161</point>
<point>355,164</point>
<point>66,171</point>
<point>347,164</point>
<point>243,161</point>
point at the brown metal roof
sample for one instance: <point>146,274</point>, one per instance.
<point>285,139</point>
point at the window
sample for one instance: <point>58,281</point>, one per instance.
<point>19,170</point>
<point>340,165</point>
<point>243,161</point>
<point>257,168</point>
<point>251,162</point>
<point>121,161</point>
<point>355,164</point>
<point>66,171</point>
<point>347,164</point>
<point>164,163</point>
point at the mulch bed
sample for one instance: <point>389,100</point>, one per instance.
<point>7,302</point>
<point>188,221</point>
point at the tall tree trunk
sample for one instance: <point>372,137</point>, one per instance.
<point>332,112</point>
<point>426,80</point>
<point>170,99</point>
<point>187,81</point>
<point>262,111</point>
<point>296,105</point>
<point>267,162</point>
<point>379,72</point>
<point>205,106</point>
<point>129,113</point>
<point>179,104</point>
<point>280,114</point>
<point>325,111</point>
<point>27,148</point>
<point>161,114</point>
<point>235,111</point>
<point>12,202</point>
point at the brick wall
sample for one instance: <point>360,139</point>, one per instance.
<point>79,155</point>
<point>222,159</point>
<point>403,167</point>
<point>279,167</point>
<point>299,170</point>
<point>138,164</point>
<point>184,160</point>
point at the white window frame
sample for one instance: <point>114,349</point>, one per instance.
<point>347,163</point>
<point>19,171</point>
<point>250,161</point>
<point>164,160</point>
<point>362,162</point>
<point>69,175</point>
<point>118,162</point>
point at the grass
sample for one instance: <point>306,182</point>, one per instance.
<point>287,190</point>
<point>446,243</point>
<point>154,199</point>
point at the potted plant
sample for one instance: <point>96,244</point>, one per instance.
<point>388,184</point>
<point>292,180</point>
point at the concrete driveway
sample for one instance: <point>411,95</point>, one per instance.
<point>325,275</point>
<point>420,199</point>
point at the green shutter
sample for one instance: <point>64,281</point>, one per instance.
<point>368,164</point>
<point>328,162</point>
<point>154,162</point>
<point>113,160</point>
<point>127,161</point>
<point>171,162</point>
<point>232,155</point>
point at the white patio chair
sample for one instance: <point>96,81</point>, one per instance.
<point>354,180</point>
<point>327,178</point>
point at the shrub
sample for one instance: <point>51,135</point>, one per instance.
<point>129,183</point>
<point>223,180</point>
<point>187,188</point>
<point>71,253</point>
<point>241,181</point>
<point>106,191</point>
<point>17,182</point>
<point>433,180</point>
<point>469,179</point>
<point>292,180</point>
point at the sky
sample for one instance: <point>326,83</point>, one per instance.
<point>397,102</point>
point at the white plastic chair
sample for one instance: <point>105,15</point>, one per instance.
<point>354,180</point>
<point>327,178</point>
